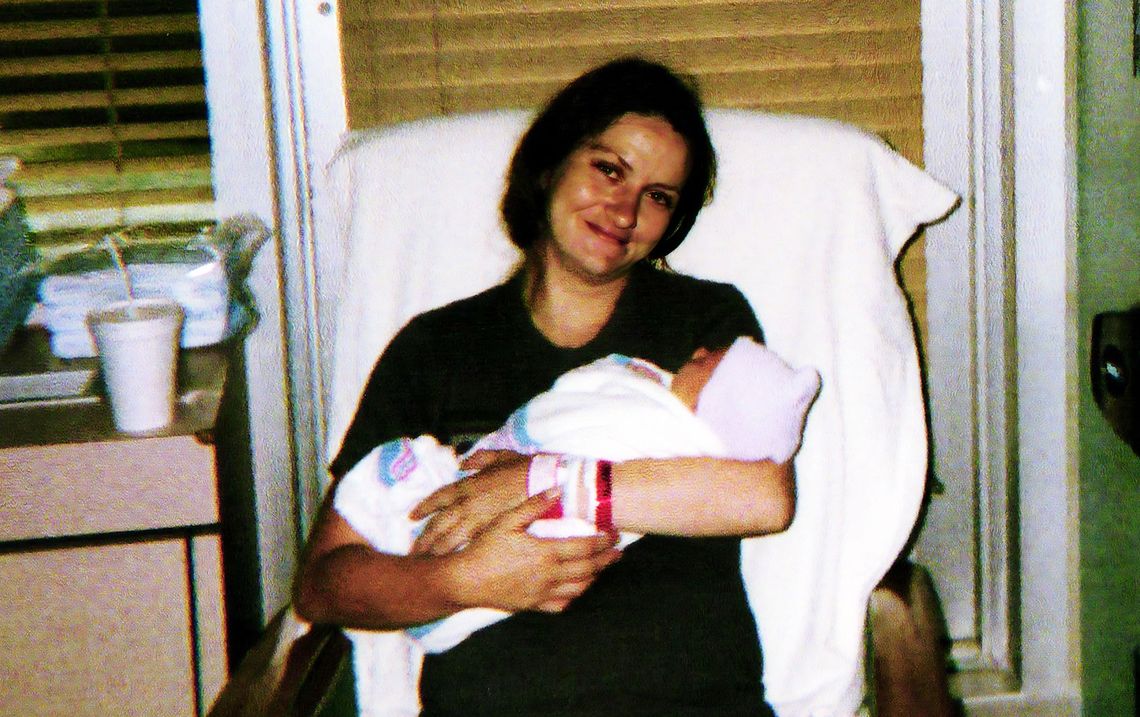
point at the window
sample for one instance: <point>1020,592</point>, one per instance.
<point>104,102</point>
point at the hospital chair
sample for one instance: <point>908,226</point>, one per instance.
<point>809,219</point>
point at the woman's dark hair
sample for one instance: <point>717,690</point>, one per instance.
<point>583,110</point>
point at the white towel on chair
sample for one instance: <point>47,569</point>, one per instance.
<point>812,221</point>
<point>809,218</point>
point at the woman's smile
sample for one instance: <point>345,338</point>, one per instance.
<point>621,238</point>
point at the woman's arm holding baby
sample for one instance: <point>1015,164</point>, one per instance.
<point>343,580</point>
<point>697,496</point>
<point>703,496</point>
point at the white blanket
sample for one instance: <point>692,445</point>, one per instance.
<point>809,218</point>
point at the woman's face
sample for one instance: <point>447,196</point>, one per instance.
<point>614,197</point>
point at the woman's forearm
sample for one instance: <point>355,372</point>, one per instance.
<point>346,582</point>
<point>703,496</point>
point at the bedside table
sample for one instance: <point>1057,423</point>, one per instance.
<point>111,558</point>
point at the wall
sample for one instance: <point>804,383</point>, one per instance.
<point>1109,279</point>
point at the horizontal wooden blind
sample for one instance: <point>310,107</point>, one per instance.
<point>854,60</point>
<point>104,102</point>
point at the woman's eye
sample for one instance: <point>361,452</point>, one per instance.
<point>662,198</point>
<point>606,168</point>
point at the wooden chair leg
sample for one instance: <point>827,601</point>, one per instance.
<point>909,643</point>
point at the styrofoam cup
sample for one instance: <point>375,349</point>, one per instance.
<point>138,353</point>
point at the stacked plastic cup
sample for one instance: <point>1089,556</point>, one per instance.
<point>138,355</point>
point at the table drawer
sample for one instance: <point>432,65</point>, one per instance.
<point>106,487</point>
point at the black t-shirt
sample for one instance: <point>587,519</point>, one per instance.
<point>664,631</point>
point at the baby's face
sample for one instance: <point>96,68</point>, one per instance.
<point>690,380</point>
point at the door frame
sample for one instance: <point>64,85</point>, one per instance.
<point>1001,352</point>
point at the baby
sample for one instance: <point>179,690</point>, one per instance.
<point>742,402</point>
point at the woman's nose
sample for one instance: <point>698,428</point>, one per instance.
<point>622,208</point>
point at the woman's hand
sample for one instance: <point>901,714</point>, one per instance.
<point>342,580</point>
<point>461,510</point>
<point>506,567</point>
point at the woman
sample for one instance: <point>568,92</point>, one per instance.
<point>609,177</point>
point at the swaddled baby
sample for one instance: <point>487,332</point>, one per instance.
<point>747,402</point>
<point>742,402</point>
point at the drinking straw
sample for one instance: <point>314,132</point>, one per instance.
<point>117,257</point>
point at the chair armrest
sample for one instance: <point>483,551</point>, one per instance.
<point>292,671</point>
<point>910,646</point>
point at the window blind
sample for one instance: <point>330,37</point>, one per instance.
<point>104,102</point>
<point>853,60</point>
<point>857,60</point>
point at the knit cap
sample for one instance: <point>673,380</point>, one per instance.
<point>756,403</point>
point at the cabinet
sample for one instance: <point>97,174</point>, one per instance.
<point>111,590</point>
